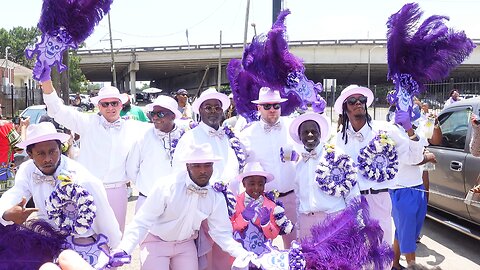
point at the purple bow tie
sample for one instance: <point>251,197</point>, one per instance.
<point>40,178</point>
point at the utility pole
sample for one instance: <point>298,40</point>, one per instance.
<point>219,78</point>
<point>277,6</point>
<point>246,24</point>
<point>111,51</point>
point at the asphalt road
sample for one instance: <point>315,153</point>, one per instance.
<point>440,246</point>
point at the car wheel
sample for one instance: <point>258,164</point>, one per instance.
<point>84,107</point>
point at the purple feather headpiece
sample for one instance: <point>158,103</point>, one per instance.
<point>267,62</point>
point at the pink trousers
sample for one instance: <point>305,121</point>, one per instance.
<point>156,254</point>
<point>380,206</point>
<point>117,198</point>
<point>306,221</point>
<point>289,202</point>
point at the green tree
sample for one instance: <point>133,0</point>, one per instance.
<point>18,38</point>
<point>77,78</point>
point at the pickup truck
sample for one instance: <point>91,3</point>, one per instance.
<point>456,170</point>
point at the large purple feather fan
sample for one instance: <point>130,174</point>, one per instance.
<point>77,17</point>
<point>30,245</point>
<point>427,52</point>
<point>349,240</point>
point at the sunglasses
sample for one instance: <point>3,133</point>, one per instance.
<point>211,109</point>
<point>105,104</point>
<point>159,114</point>
<point>353,100</point>
<point>275,106</point>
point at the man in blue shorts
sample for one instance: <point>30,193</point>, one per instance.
<point>409,208</point>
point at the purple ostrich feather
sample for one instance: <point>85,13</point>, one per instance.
<point>349,240</point>
<point>268,62</point>
<point>427,52</point>
<point>78,17</point>
<point>30,245</point>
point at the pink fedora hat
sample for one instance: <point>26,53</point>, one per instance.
<point>211,93</point>
<point>167,103</point>
<point>267,95</point>
<point>41,132</point>
<point>109,92</point>
<point>202,153</point>
<point>352,90</point>
<point>318,118</point>
<point>254,168</point>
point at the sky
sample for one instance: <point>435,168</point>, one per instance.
<point>142,23</point>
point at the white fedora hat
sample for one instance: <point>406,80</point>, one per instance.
<point>254,168</point>
<point>167,103</point>
<point>41,132</point>
<point>352,90</point>
<point>109,92</point>
<point>211,93</point>
<point>202,153</point>
<point>267,95</point>
<point>318,118</point>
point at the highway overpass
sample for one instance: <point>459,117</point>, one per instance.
<point>182,66</point>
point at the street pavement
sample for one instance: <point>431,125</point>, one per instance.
<point>440,246</point>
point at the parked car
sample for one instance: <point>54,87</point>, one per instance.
<point>85,102</point>
<point>34,112</point>
<point>457,170</point>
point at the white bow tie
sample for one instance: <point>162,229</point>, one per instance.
<point>308,155</point>
<point>117,124</point>
<point>269,128</point>
<point>40,178</point>
<point>201,191</point>
<point>217,133</point>
<point>355,135</point>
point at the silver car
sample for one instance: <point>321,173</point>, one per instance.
<point>457,170</point>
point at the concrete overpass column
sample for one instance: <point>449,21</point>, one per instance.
<point>126,80</point>
<point>132,69</point>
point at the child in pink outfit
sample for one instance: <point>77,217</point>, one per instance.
<point>258,217</point>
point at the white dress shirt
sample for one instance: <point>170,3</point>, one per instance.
<point>104,150</point>
<point>225,170</point>
<point>150,158</point>
<point>264,147</point>
<point>310,197</point>
<point>104,222</point>
<point>409,152</point>
<point>173,213</point>
<point>410,175</point>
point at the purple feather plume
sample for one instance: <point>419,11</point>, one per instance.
<point>427,52</point>
<point>268,62</point>
<point>77,17</point>
<point>349,240</point>
<point>30,245</point>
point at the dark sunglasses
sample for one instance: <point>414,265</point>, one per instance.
<point>105,104</point>
<point>211,109</point>
<point>159,114</point>
<point>353,100</point>
<point>275,106</point>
